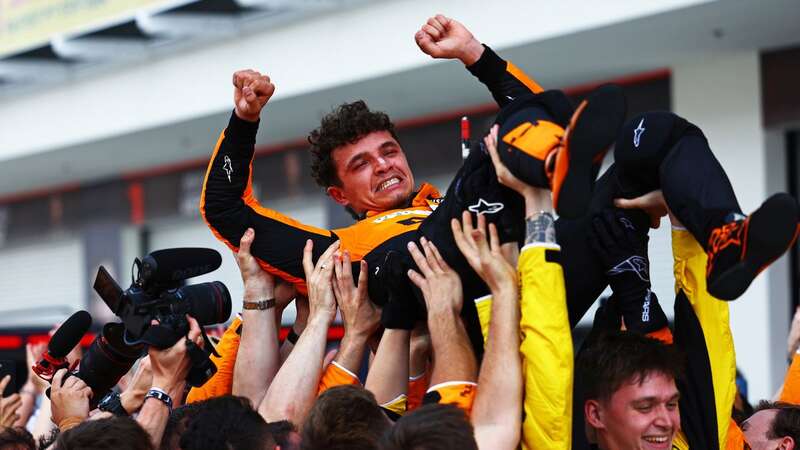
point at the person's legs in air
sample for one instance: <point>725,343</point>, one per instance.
<point>660,150</point>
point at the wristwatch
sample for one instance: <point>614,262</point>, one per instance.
<point>260,305</point>
<point>113,404</point>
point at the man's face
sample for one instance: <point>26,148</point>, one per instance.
<point>756,429</point>
<point>638,415</point>
<point>374,174</point>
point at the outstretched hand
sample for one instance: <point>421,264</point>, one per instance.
<point>440,285</point>
<point>446,38</point>
<point>653,204</point>
<point>251,91</point>
<point>9,405</point>
<point>359,315</point>
<point>485,258</point>
<point>319,279</point>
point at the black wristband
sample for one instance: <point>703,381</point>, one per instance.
<point>113,404</point>
<point>292,336</point>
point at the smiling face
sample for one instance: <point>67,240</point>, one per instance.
<point>638,416</point>
<point>373,173</point>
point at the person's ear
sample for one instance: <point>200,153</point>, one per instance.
<point>337,194</point>
<point>593,412</point>
<point>787,443</point>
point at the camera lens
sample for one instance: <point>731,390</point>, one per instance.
<point>107,360</point>
<point>209,303</point>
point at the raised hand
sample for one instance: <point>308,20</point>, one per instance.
<point>9,405</point>
<point>485,258</point>
<point>257,282</point>
<point>443,37</point>
<point>69,397</point>
<point>440,285</point>
<point>358,313</point>
<point>321,300</point>
<point>251,91</point>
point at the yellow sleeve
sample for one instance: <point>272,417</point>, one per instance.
<point>547,360</point>
<point>222,381</point>
<point>398,405</point>
<point>336,375</point>
<point>714,320</point>
<point>484,307</point>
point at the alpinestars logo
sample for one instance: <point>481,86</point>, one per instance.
<point>635,264</point>
<point>228,167</point>
<point>638,132</point>
<point>484,207</point>
<point>646,307</point>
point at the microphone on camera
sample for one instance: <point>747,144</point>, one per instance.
<point>177,264</point>
<point>68,335</point>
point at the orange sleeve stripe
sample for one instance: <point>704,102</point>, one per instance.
<point>523,78</point>
<point>203,193</point>
<point>335,375</point>
<point>791,383</point>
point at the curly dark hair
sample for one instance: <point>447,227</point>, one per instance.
<point>346,124</point>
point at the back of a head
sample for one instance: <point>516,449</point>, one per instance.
<point>226,423</point>
<point>116,433</point>
<point>16,439</point>
<point>432,427</point>
<point>621,357</point>
<point>785,424</point>
<point>344,417</point>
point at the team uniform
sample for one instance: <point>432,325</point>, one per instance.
<point>229,208</point>
<point>546,347</point>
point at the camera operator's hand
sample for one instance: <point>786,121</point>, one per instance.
<point>443,37</point>
<point>170,366</point>
<point>485,258</point>
<point>360,316</point>
<point>70,399</point>
<point>321,300</point>
<point>251,91</point>
<point>133,396</point>
<point>440,285</point>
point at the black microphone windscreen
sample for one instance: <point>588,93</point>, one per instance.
<point>69,334</point>
<point>175,264</point>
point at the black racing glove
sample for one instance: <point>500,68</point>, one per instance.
<point>620,241</point>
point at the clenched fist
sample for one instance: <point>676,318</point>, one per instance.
<point>443,37</point>
<point>251,91</point>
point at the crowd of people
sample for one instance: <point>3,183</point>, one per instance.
<point>461,306</point>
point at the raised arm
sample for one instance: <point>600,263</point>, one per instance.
<point>227,203</point>
<point>294,388</point>
<point>444,38</point>
<point>455,371</point>
<point>258,359</point>
<point>497,413</point>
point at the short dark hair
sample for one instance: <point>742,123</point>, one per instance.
<point>226,422</point>
<point>432,427</point>
<point>344,417</point>
<point>281,431</point>
<point>346,124</point>
<point>176,425</point>
<point>786,422</point>
<point>16,439</point>
<point>114,433</point>
<point>620,357</point>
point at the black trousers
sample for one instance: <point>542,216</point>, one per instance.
<point>655,150</point>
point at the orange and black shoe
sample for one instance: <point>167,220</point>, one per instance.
<point>588,136</point>
<point>740,249</point>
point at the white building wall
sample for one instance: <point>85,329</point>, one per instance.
<point>722,94</point>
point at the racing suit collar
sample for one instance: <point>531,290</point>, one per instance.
<point>425,193</point>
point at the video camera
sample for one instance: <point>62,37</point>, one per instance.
<point>157,293</point>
